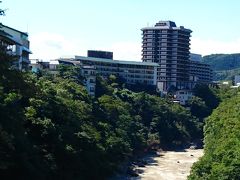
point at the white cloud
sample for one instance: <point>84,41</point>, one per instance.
<point>209,46</point>
<point>125,50</point>
<point>48,46</point>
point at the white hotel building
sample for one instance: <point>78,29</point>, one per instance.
<point>132,72</point>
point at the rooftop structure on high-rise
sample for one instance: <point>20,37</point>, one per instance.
<point>100,54</point>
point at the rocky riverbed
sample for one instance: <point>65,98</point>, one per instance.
<point>164,165</point>
<point>168,165</point>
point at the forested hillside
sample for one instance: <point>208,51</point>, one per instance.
<point>50,128</point>
<point>223,61</point>
<point>227,75</point>
<point>221,158</point>
<point>225,66</point>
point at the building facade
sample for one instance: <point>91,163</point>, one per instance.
<point>89,74</point>
<point>236,80</point>
<point>132,72</point>
<point>200,73</point>
<point>18,45</point>
<point>183,96</point>
<point>168,45</point>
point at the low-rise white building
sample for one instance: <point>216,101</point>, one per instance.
<point>53,64</point>
<point>87,72</point>
<point>225,83</point>
<point>183,96</point>
<point>237,80</point>
<point>132,72</point>
<point>37,64</point>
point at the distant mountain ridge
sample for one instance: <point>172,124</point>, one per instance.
<point>225,66</point>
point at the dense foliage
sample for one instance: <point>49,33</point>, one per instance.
<point>221,158</point>
<point>227,75</point>
<point>225,66</point>
<point>204,101</point>
<point>50,128</point>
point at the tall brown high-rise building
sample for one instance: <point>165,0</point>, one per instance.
<point>169,46</point>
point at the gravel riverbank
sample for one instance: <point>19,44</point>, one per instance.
<point>164,165</point>
<point>168,165</point>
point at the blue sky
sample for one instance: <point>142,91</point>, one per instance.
<point>58,28</point>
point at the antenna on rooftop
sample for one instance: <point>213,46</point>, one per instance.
<point>2,11</point>
<point>27,27</point>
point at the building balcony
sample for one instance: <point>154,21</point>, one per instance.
<point>147,45</point>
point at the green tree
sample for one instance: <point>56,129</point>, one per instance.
<point>208,95</point>
<point>198,107</point>
<point>221,138</point>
